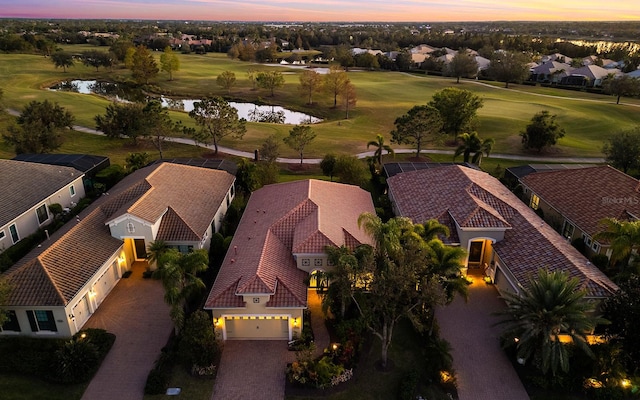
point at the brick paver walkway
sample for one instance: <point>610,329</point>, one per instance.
<point>482,368</point>
<point>252,370</point>
<point>320,333</point>
<point>137,314</point>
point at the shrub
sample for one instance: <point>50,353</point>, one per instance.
<point>157,382</point>
<point>28,356</point>
<point>600,260</point>
<point>408,385</point>
<point>75,362</point>
<point>198,345</point>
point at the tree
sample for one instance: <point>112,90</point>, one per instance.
<point>623,310</point>
<point>217,120</point>
<point>198,346</point>
<point>133,162</point>
<point>550,305</point>
<point>335,81</point>
<point>416,126</point>
<point>622,237</point>
<point>463,65</point>
<point>310,83</point>
<point>143,66</point>
<point>350,170</point>
<point>401,286</point>
<point>247,176</point>
<point>157,124</point>
<point>458,109</point>
<point>328,165</point>
<point>380,147</point>
<point>344,56</point>
<point>169,62</point>
<point>622,86</point>
<point>120,47</point>
<point>508,67</point>
<point>543,131</point>
<point>622,150</point>
<point>473,144</point>
<point>432,229</point>
<point>270,149</point>
<point>226,80</point>
<point>62,59</point>
<point>122,119</point>
<point>5,292</point>
<point>178,273</point>
<point>349,97</point>
<point>39,128</point>
<point>157,248</point>
<point>299,137</point>
<point>270,80</point>
<point>251,75</point>
<point>404,61</point>
<point>96,59</point>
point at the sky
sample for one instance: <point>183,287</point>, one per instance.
<point>327,10</point>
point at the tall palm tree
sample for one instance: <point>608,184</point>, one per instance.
<point>178,273</point>
<point>473,144</point>
<point>380,146</point>
<point>155,250</point>
<point>386,235</point>
<point>550,306</point>
<point>431,229</point>
<point>446,263</point>
<point>622,236</point>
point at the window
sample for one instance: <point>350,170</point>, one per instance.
<point>42,213</point>
<point>596,246</point>
<point>72,190</point>
<point>2,234</point>
<point>567,230</point>
<point>12,323</point>
<point>587,240</point>
<point>131,228</point>
<point>306,262</point>
<point>13,230</point>
<point>535,202</point>
<point>42,320</point>
<point>228,199</point>
<point>317,262</point>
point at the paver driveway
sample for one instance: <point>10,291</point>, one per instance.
<point>252,369</point>
<point>482,368</point>
<point>137,314</point>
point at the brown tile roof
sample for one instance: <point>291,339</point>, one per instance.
<point>54,273</point>
<point>300,216</point>
<point>529,244</point>
<point>588,195</point>
<point>26,184</point>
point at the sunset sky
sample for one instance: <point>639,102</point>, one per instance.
<point>327,10</point>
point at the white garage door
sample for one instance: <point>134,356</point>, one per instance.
<point>105,283</point>
<point>262,329</point>
<point>81,312</point>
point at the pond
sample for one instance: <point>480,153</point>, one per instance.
<point>249,111</point>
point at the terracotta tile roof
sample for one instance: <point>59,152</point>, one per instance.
<point>588,195</point>
<point>53,274</point>
<point>26,184</point>
<point>303,216</point>
<point>529,244</point>
<point>173,228</point>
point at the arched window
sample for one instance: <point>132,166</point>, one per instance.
<point>131,228</point>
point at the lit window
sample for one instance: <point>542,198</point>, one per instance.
<point>72,190</point>
<point>42,213</point>
<point>535,201</point>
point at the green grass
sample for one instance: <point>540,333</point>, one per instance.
<point>18,387</point>
<point>382,97</point>
<point>192,388</point>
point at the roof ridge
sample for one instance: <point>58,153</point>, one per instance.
<point>181,219</point>
<point>280,281</point>
<point>40,264</point>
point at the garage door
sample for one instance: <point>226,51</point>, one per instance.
<point>105,283</point>
<point>81,312</point>
<point>263,329</point>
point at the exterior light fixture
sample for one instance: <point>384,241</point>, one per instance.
<point>625,383</point>
<point>295,322</point>
<point>72,317</point>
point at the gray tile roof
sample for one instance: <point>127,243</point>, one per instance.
<point>26,184</point>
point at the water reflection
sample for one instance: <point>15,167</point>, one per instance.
<point>249,111</point>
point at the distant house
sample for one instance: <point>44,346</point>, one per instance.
<point>550,72</point>
<point>28,189</point>
<point>505,240</point>
<point>574,201</point>
<point>556,57</point>
<point>58,285</point>
<point>589,75</point>
<point>260,291</point>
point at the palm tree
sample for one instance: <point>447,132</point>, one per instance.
<point>622,236</point>
<point>431,229</point>
<point>178,273</point>
<point>386,235</point>
<point>446,262</point>
<point>550,306</point>
<point>473,144</point>
<point>380,146</point>
<point>155,250</point>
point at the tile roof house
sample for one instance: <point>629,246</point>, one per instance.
<point>552,71</point>
<point>574,201</point>
<point>504,238</point>
<point>260,291</point>
<point>28,189</point>
<point>57,286</point>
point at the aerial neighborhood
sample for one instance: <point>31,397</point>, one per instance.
<point>342,210</point>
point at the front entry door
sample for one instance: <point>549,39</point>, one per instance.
<point>476,249</point>
<point>141,249</point>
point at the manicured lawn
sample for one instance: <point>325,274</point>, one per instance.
<point>191,388</point>
<point>18,387</point>
<point>382,97</point>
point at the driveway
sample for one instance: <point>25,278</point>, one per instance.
<point>482,368</point>
<point>136,313</point>
<point>252,369</point>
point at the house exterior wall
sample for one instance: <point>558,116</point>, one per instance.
<point>501,276</point>
<point>27,223</point>
<point>294,317</point>
<point>131,227</point>
<point>310,262</point>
